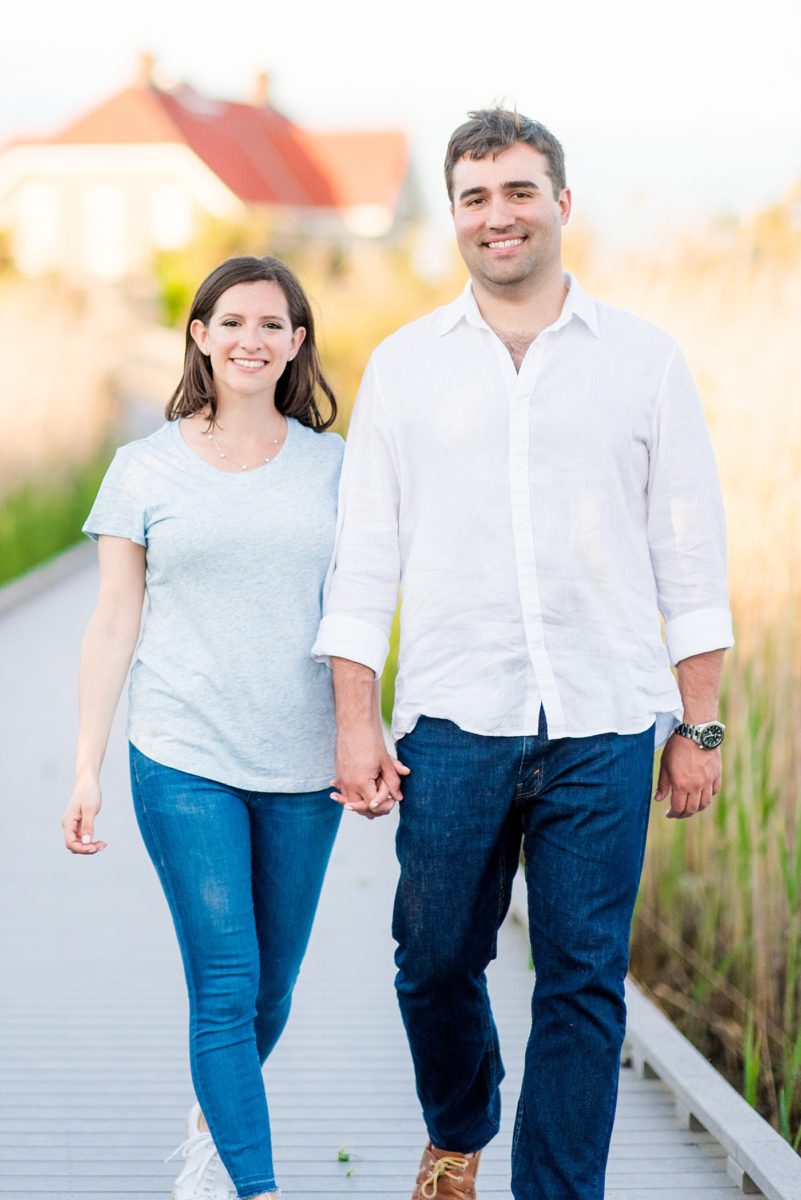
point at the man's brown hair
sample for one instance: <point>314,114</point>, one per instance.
<point>493,130</point>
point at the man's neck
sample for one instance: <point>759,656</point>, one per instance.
<point>519,315</point>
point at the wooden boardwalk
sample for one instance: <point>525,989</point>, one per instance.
<point>94,1081</point>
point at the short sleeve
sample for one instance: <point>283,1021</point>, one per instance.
<point>118,509</point>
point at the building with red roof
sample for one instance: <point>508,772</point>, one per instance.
<point>142,171</point>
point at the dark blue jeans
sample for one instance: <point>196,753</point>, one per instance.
<point>242,873</point>
<point>580,807</point>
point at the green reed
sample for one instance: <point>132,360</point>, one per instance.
<point>717,931</point>
<point>45,515</point>
<point>717,934</point>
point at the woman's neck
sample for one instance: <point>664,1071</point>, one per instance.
<point>247,416</point>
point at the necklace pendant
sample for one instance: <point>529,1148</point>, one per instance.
<point>242,466</point>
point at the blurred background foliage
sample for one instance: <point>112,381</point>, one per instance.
<point>717,937</point>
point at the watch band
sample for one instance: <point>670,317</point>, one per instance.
<point>708,735</point>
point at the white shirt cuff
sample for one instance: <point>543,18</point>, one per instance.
<point>348,637</point>
<point>697,632</point>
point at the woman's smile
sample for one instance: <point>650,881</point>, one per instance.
<point>249,364</point>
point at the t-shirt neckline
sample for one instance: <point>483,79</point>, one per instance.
<point>206,467</point>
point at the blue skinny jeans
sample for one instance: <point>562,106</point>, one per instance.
<point>242,873</point>
<point>580,807</point>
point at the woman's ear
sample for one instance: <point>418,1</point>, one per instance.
<point>200,335</point>
<point>298,338</point>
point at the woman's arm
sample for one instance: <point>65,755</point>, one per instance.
<point>106,654</point>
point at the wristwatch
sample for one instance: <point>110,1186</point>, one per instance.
<point>708,736</point>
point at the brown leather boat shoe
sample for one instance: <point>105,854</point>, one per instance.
<point>446,1175</point>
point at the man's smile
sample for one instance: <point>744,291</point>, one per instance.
<point>504,243</point>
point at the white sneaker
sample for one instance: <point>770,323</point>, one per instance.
<point>203,1176</point>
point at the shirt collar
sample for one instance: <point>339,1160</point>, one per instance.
<point>577,303</point>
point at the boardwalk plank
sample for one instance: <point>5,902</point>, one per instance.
<point>93,1065</point>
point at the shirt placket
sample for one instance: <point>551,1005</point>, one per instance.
<point>522,388</point>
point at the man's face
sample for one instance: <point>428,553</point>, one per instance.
<point>507,220</point>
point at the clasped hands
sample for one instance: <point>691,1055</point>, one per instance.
<point>368,779</point>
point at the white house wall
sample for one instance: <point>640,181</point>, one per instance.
<point>103,210</point>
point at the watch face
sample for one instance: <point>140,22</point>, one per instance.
<point>711,737</point>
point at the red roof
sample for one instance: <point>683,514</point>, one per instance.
<point>134,115</point>
<point>256,151</point>
<point>363,168</point>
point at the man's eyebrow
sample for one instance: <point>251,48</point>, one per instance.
<point>513,185</point>
<point>473,191</point>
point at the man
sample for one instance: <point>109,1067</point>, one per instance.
<point>534,466</point>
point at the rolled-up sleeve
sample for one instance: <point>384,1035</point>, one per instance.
<point>686,522</point>
<point>361,590</point>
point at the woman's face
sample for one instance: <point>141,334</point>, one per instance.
<point>249,339</point>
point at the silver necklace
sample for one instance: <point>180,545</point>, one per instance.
<point>242,466</point>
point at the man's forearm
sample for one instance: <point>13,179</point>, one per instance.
<point>689,774</point>
<point>354,691</point>
<point>699,684</point>
<point>368,777</point>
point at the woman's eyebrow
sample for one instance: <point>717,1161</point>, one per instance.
<point>239,317</point>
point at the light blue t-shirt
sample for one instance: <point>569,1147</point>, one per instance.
<point>222,683</point>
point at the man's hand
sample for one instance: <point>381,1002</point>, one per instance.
<point>368,777</point>
<point>688,775</point>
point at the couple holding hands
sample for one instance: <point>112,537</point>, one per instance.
<point>533,467</point>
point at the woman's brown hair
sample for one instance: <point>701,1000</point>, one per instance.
<point>297,390</point>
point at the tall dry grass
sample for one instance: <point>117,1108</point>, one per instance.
<point>718,931</point>
<point>717,935</point>
<point>732,297</point>
<point>59,347</point>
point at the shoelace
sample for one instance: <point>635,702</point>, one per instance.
<point>448,1165</point>
<point>203,1178</point>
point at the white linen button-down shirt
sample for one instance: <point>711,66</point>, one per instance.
<point>537,522</point>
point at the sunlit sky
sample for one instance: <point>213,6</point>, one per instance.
<point>669,112</point>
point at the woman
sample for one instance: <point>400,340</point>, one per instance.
<point>225,518</point>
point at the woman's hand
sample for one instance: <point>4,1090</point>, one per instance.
<point>106,653</point>
<point>78,821</point>
<point>384,799</point>
<point>370,790</point>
